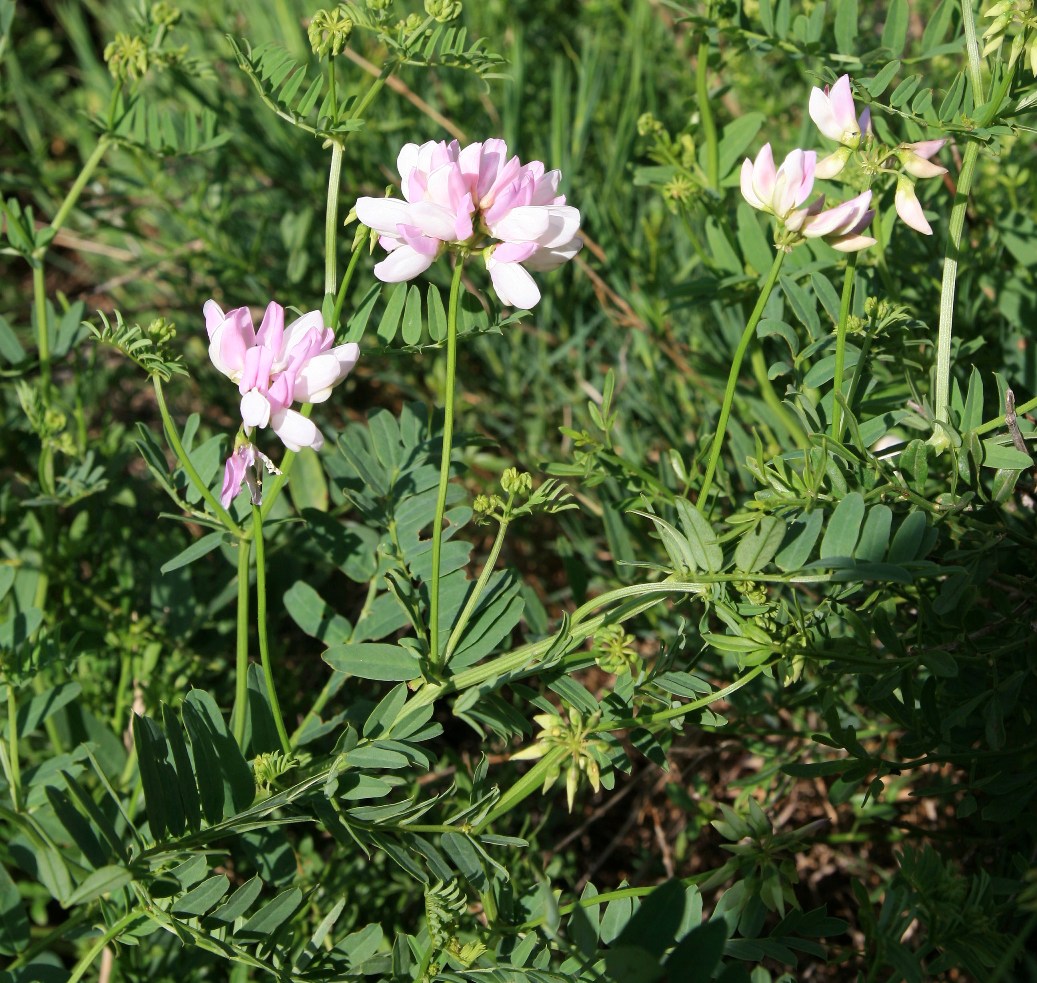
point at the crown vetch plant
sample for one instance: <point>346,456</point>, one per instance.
<point>324,735</point>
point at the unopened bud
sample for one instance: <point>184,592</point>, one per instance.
<point>126,57</point>
<point>329,32</point>
<point>443,10</point>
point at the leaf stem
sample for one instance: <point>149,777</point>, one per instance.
<point>39,293</point>
<point>98,947</point>
<point>331,221</point>
<point>241,650</point>
<point>444,464</point>
<point>12,768</point>
<point>709,129</point>
<point>525,786</point>
<point>840,346</point>
<point>999,421</point>
<point>87,172</point>
<point>477,591</point>
<point>185,462</point>
<point>261,618</point>
<point>732,378</point>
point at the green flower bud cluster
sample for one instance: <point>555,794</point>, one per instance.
<point>616,652</point>
<point>411,23</point>
<point>127,57</point>
<point>486,506</point>
<point>1014,17</point>
<point>443,10</point>
<point>585,752</point>
<point>163,14</point>
<point>515,482</point>
<point>648,125</point>
<point>329,32</point>
<point>161,331</point>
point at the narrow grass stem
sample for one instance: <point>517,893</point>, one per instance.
<point>444,463</point>
<point>39,293</point>
<point>261,626</point>
<point>331,221</point>
<point>999,421</point>
<point>732,379</point>
<point>773,400</point>
<point>709,129</point>
<point>79,971</point>
<point>840,346</point>
<point>87,172</point>
<point>477,591</point>
<point>185,462</point>
<point>13,769</point>
<point>972,53</point>
<point>241,649</point>
<point>956,225</point>
<point>340,300</point>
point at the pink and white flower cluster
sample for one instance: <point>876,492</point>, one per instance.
<point>834,114</point>
<point>476,197</point>
<point>273,368</point>
<point>783,191</point>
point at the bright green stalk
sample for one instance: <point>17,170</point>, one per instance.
<point>241,652</point>
<point>840,346</point>
<point>709,129</point>
<point>340,300</point>
<point>87,172</point>
<point>477,592</point>
<point>444,462</point>
<point>331,221</point>
<point>261,617</point>
<point>42,336</point>
<point>185,462</point>
<point>99,946</point>
<point>525,786</point>
<point>12,766</point>
<point>773,401</point>
<point>999,421</point>
<point>732,378</point>
<point>972,52</point>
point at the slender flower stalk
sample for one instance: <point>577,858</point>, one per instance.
<point>477,592</point>
<point>185,462</point>
<point>12,766</point>
<point>241,650</point>
<point>444,464</point>
<point>840,347</point>
<point>261,623</point>
<point>732,379</point>
<point>709,127</point>
<point>331,222</point>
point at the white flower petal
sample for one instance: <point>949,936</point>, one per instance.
<point>525,223</point>
<point>383,215</point>
<point>403,263</point>
<point>321,373</point>
<point>255,409</point>
<point>296,431</point>
<point>514,286</point>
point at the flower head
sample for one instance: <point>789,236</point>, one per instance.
<point>835,115</point>
<point>278,365</point>
<point>915,158</point>
<point>242,467</point>
<point>476,197</point>
<point>782,192</point>
<point>908,206</point>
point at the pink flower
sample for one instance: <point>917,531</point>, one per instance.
<point>908,206</point>
<point>780,191</point>
<point>478,197</point>
<point>835,115</point>
<point>243,467</point>
<point>276,366</point>
<point>914,158</point>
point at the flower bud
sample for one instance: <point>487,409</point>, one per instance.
<point>126,57</point>
<point>833,163</point>
<point>515,482</point>
<point>443,10</point>
<point>164,14</point>
<point>329,32</point>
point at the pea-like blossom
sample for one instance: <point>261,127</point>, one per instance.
<point>278,365</point>
<point>242,467</point>
<point>783,191</point>
<point>835,115</point>
<point>915,161</point>
<point>479,198</point>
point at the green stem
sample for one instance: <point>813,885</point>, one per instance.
<point>13,767</point>
<point>525,786</point>
<point>387,69</point>
<point>444,463</point>
<point>858,373</point>
<point>80,182</point>
<point>185,462</point>
<point>39,293</point>
<point>261,616</point>
<point>477,592</point>
<point>999,421</point>
<point>950,276</point>
<point>340,300</point>
<point>46,943</point>
<point>732,378</point>
<point>972,52</point>
<point>709,129</point>
<point>331,221</point>
<point>98,947</point>
<point>241,652</point>
<point>840,346</point>
<point>773,400</point>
